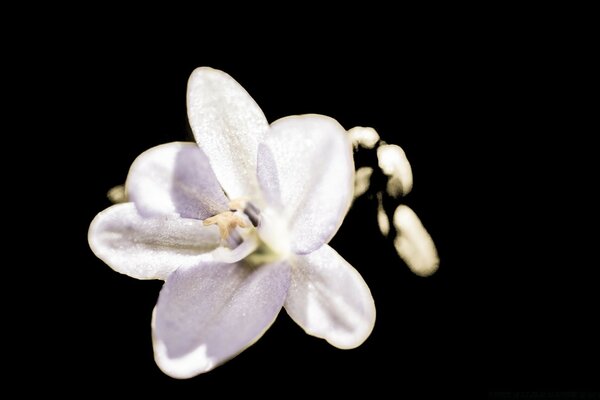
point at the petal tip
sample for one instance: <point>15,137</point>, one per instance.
<point>192,364</point>
<point>205,71</point>
<point>329,299</point>
<point>188,366</point>
<point>349,342</point>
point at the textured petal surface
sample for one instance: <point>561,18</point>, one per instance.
<point>175,178</point>
<point>208,314</point>
<point>329,299</point>
<point>228,125</point>
<point>306,169</point>
<point>413,243</point>
<point>149,248</point>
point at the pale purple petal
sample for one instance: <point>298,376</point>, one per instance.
<point>305,168</point>
<point>175,178</point>
<point>149,248</point>
<point>329,299</point>
<point>208,314</point>
<point>228,125</point>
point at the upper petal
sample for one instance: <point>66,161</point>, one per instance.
<point>305,166</point>
<point>329,299</point>
<point>149,248</point>
<point>413,243</point>
<point>207,314</point>
<point>228,124</point>
<point>175,178</point>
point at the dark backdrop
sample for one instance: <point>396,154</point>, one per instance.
<point>138,101</point>
<point>496,316</point>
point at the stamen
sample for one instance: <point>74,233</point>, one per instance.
<point>227,222</point>
<point>238,204</point>
<point>248,208</point>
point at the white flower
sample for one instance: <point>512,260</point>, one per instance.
<point>277,193</point>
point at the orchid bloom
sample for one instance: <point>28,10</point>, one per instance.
<point>238,227</point>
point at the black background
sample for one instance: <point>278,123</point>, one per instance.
<point>509,308</point>
<point>421,327</point>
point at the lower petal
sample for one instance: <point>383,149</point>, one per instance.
<point>329,299</point>
<point>207,314</point>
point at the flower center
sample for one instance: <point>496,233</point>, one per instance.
<point>253,235</point>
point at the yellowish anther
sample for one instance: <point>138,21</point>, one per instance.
<point>118,194</point>
<point>226,221</point>
<point>238,204</point>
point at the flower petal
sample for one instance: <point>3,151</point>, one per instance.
<point>207,314</point>
<point>305,166</point>
<point>175,178</point>
<point>413,243</point>
<point>228,125</point>
<point>149,248</point>
<point>329,299</point>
